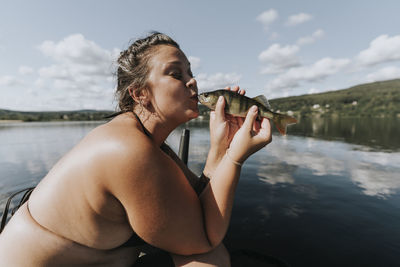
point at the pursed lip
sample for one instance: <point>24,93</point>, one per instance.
<point>195,98</point>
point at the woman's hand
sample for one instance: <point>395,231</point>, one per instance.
<point>251,137</point>
<point>222,129</point>
<point>223,126</point>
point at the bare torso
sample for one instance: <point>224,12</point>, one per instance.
<point>71,218</point>
<point>26,243</point>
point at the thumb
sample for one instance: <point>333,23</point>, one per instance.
<point>219,109</point>
<point>250,118</point>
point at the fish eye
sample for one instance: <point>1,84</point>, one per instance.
<point>206,94</point>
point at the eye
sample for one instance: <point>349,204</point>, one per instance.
<point>176,75</point>
<point>206,94</point>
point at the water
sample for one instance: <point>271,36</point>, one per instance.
<point>328,194</point>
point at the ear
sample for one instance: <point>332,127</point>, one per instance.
<point>140,96</point>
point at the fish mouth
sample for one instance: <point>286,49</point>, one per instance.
<point>200,98</point>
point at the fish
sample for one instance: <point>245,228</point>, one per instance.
<point>238,105</point>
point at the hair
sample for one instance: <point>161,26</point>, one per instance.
<point>133,68</point>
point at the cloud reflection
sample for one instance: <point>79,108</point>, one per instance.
<point>276,173</point>
<point>374,172</point>
<point>375,181</point>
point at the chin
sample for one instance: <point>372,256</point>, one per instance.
<point>195,113</point>
<point>192,114</point>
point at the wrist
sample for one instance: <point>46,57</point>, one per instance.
<point>213,159</point>
<point>236,162</point>
<point>216,153</point>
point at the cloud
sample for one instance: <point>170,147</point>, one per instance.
<point>386,73</point>
<point>9,81</point>
<point>313,91</point>
<point>382,49</point>
<point>267,18</point>
<point>76,51</point>
<point>194,62</point>
<point>298,19</point>
<point>318,34</point>
<point>215,81</point>
<point>279,58</point>
<point>25,70</point>
<point>315,72</point>
<point>81,74</point>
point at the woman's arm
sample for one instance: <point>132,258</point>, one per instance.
<point>160,204</point>
<point>190,176</point>
<point>217,198</point>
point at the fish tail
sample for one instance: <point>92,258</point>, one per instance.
<point>281,121</point>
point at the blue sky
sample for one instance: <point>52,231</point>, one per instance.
<point>58,55</point>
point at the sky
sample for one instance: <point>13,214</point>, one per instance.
<point>60,55</point>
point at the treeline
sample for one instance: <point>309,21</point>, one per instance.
<point>378,99</point>
<point>79,115</point>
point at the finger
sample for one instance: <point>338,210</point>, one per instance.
<point>242,91</point>
<point>212,115</point>
<point>236,89</point>
<point>227,88</point>
<point>257,126</point>
<point>219,109</point>
<point>250,118</point>
<point>265,130</point>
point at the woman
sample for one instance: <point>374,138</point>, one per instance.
<point>121,186</point>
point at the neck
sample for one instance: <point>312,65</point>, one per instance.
<point>158,128</point>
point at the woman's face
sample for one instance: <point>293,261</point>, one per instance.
<point>173,90</point>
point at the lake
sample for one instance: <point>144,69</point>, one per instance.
<point>327,194</point>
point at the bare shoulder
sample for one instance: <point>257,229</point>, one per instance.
<point>121,150</point>
<point>119,145</point>
<point>154,192</point>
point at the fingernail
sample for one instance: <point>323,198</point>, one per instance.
<point>220,98</point>
<point>254,108</point>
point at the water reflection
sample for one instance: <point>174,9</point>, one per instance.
<point>376,180</point>
<point>374,172</point>
<point>296,194</point>
<point>377,133</point>
<point>29,150</point>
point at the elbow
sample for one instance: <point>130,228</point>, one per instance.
<point>215,236</point>
<point>207,246</point>
<point>202,247</point>
<point>195,249</point>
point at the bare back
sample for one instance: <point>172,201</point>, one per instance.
<point>72,208</point>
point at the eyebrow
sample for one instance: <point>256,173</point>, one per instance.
<point>177,63</point>
<point>180,63</point>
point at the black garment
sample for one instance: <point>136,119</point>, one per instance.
<point>134,241</point>
<point>160,258</point>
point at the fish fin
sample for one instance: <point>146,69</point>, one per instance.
<point>262,100</point>
<point>282,121</point>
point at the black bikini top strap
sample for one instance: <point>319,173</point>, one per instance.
<point>146,132</point>
<point>164,147</point>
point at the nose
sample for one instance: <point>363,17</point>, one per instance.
<point>192,84</point>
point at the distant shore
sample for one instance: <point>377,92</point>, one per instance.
<point>10,121</point>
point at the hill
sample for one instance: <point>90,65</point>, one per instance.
<point>378,99</point>
<point>78,115</point>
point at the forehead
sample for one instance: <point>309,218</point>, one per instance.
<point>165,54</point>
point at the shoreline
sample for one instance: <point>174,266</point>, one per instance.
<point>10,121</point>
